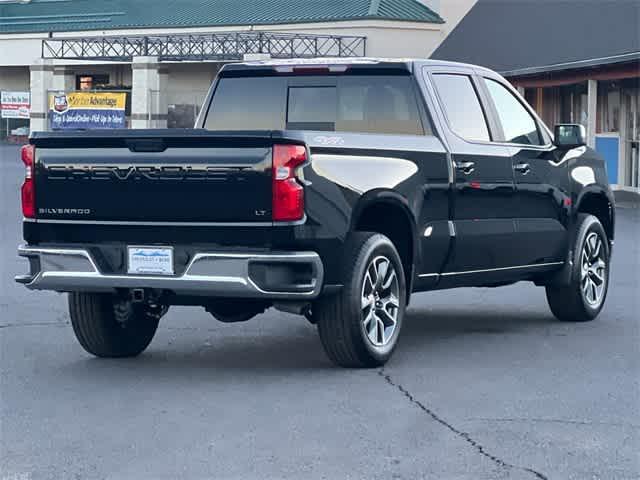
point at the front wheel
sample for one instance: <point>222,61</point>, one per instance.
<point>584,297</point>
<point>359,327</point>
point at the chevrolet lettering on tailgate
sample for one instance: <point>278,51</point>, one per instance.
<point>137,172</point>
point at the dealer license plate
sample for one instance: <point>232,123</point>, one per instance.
<point>150,261</point>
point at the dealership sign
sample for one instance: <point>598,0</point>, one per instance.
<point>15,104</point>
<point>87,110</point>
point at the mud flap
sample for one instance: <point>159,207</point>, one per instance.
<point>561,278</point>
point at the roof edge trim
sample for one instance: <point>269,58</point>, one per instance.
<point>593,62</point>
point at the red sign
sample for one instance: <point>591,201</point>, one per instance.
<point>15,104</point>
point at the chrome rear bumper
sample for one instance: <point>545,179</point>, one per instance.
<point>216,274</point>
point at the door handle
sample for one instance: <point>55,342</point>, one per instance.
<point>465,167</point>
<point>523,168</point>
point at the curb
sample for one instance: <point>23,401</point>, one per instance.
<point>624,194</point>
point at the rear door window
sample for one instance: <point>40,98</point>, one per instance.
<point>365,104</point>
<point>462,106</point>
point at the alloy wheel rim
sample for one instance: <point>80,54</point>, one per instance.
<point>380,301</point>
<point>593,269</point>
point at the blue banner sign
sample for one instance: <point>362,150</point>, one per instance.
<point>87,110</point>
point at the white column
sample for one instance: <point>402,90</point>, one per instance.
<point>63,79</point>
<point>149,93</point>
<point>159,115</point>
<point>624,145</point>
<point>41,81</point>
<point>520,91</point>
<point>592,104</point>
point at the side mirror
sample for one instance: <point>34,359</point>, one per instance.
<point>570,135</point>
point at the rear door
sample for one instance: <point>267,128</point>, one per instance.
<point>483,213</point>
<point>381,145</point>
<point>541,179</point>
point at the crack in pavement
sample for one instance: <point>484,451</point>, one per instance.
<point>464,435</point>
<point>554,420</point>
<point>33,324</point>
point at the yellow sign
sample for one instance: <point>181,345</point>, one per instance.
<point>87,101</point>
<point>87,110</point>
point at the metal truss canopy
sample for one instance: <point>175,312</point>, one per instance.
<point>215,46</point>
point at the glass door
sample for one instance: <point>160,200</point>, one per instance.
<point>631,98</point>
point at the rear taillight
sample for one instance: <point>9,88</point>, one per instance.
<point>288,194</point>
<point>28,153</point>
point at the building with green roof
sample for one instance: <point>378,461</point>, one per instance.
<point>81,15</point>
<point>89,44</point>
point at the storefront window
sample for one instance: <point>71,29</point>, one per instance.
<point>91,82</point>
<point>573,104</point>
<point>550,106</point>
<point>608,107</point>
<point>544,101</point>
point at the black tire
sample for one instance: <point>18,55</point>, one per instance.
<point>103,333</point>
<point>573,303</point>
<point>341,317</point>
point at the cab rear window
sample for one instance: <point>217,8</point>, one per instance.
<point>367,104</point>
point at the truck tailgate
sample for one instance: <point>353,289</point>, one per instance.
<point>154,176</point>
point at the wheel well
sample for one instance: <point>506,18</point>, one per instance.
<point>393,222</point>
<point>598,205</point>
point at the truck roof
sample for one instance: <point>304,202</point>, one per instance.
<point>365,62</point>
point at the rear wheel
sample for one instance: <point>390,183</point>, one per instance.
<point>584,297</point>
<point>106,326</point>
<point>359,327</point>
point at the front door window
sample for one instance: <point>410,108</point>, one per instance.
<point>517,123</point>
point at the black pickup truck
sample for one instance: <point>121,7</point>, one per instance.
<point>331,189</point>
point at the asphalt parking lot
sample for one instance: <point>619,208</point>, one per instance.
<point>485,384</point>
